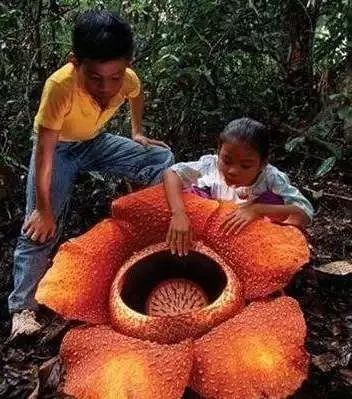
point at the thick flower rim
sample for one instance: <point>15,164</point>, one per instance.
<point>165,329</point>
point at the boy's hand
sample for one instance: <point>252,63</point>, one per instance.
<point>241,217</point>
<point>139,138</point>
<point>179,236</point>
<point>40,226</point>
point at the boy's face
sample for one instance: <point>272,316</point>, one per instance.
<point>102,79</point>
<point>239,164</point>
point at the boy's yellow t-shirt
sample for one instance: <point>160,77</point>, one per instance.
<point>65,106</point>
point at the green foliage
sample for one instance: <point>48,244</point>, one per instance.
<point>202,63</point>
<point>197,59</point>
<point>333,33</point>
<point>325,167</point>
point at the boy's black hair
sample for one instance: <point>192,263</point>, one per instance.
<point>251,132</point>
<point>102,35</point>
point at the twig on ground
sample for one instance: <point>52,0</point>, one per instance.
<point>321,193</point>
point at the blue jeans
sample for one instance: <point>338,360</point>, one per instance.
<point>106,154</point>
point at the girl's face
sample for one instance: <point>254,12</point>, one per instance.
<point>239,163</point>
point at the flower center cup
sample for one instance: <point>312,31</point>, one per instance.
<point>167,298</point>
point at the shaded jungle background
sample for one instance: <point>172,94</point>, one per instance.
<point>287,63</point>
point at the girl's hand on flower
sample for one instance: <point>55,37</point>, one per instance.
<point>179,236</point>
<point>241,217</point>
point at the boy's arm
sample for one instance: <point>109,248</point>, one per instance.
<point>179,235</point>
<point>137,108</point>
<point>40,225</point>
<point>47,140</point>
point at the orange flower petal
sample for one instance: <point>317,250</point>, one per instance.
<point>102,364</point>
<point>77,286</point>
<point>258,353</point>
<point>264,255</point>
<point>148,212</point>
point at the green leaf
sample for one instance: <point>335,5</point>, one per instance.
<point>293,143</point>
<point>169,56</point>
<point>337,97</point>
<point>345,114</point>
<point>209,78</point>
<point>321,129</point>
<point>325,167</point>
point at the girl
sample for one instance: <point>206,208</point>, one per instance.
<point>240,173</point>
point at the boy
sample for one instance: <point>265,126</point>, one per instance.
<point>77,101</point>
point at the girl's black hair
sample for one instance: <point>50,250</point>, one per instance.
<point>102,35</point>
<point>249,131</point>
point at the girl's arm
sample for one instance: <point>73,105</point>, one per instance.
<point>289,214</point>
<point>297,210</point>
<point>179,235</point>
<point>236,220</point>
<point>179,176</point>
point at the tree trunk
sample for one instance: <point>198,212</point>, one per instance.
<point>299,24</point>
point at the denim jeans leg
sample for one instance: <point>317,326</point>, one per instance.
<point>115,155</point>
<point>31,259</point>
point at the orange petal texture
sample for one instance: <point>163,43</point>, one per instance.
<point>264,255</point>
<point>258,353</point>
<point>102,364</point>
<point>77,286</point>
<point>148,213</point>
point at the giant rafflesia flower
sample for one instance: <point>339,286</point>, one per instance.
<point>158,323</point>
